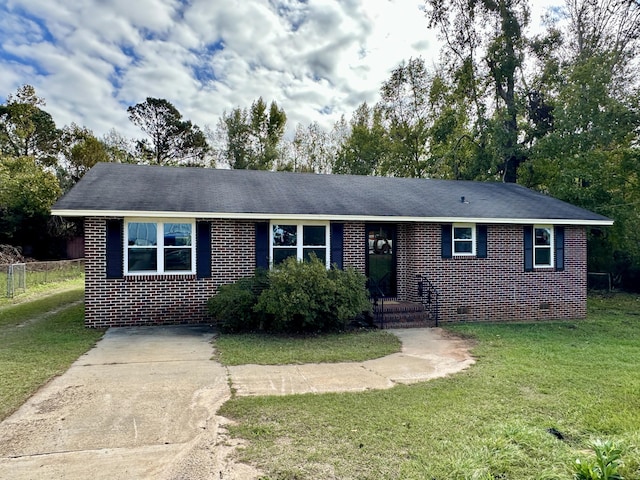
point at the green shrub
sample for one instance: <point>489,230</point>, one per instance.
<point>604,467</point>
<point>232,306</point>
<point>306,297</point>
<point>351,294</point>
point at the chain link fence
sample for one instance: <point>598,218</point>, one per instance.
<point>16,278</point>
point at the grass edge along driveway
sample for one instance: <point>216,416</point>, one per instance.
<point>272,349</point>
<point>39,340</point>
<point>492,421</point>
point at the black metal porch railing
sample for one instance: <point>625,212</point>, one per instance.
<point>429,297</point>
<point>376,297</point>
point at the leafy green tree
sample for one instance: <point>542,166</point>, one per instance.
<point>595,27</point>
<point>312,150</point>
<point>82,150</point>
<point>251,139</point>
<point>584,29</point>
<point>27,130</point>
<point>27,191</point>
<point>454,145</point>
<point>485,47</point>
<point>119,148</point>
<point>365,149</point>
<point>235,134</point>
<point>171,140</point>
<point>315,148</point>
<point>268,130</point>
<point>407,114</point>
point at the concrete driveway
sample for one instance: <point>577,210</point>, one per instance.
<point>142,404</point>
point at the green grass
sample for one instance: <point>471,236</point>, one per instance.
<point>281,349</point>
<point>42,273</point>
<point>40,304</point>
<point>39,290</point>
<point>39,340</point>
<point>491,421</point>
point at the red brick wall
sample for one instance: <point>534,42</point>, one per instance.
<point>496,287</point>
<point>354,246</point>
<point>405,273</point>
<point>233,252</point>
<point>162,299</point>
<point>471,289</point>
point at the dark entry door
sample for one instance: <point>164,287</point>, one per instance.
<point>381,259</point>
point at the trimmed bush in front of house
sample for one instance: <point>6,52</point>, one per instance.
<point>233,305</point>
<point>296,297</point>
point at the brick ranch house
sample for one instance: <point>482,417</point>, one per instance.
<point>159,241</point>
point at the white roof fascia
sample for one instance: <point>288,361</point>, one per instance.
<point>315,217</point>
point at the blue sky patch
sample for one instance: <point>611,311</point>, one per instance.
<point>204,73</point>
<point>207,57</point>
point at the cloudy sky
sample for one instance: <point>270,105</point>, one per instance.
<point>318,59</point>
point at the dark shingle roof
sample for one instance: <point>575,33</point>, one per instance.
<point>120,189</point>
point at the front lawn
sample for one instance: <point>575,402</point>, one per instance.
<point>326,348</point>
<point>39,339</point>
<point>539,394</point>
<point>36,291</point>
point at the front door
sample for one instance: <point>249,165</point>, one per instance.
<point>381,259</point>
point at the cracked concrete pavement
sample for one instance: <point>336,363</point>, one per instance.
<point>142,404</point>
<point>427,353</point>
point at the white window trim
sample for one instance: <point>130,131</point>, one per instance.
<point>551,247</point>
<point>159,247</point>
<point>299,232</point>
<point>473,240</point>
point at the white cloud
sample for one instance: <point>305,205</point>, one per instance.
<point>318,59</point>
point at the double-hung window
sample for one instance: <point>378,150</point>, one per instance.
<point>162,247</point>
<point>464,239</point>
<point>542,246</point>
<point>299,240</point>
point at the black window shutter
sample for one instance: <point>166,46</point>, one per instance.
<point>559,236</point>
<point>445,243</point>
<point>337,233</point>
<point>481,246</point>
<point>528,248</point>
<point>203,249</point>
<point>115,248</point>
<point>262,245</point>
